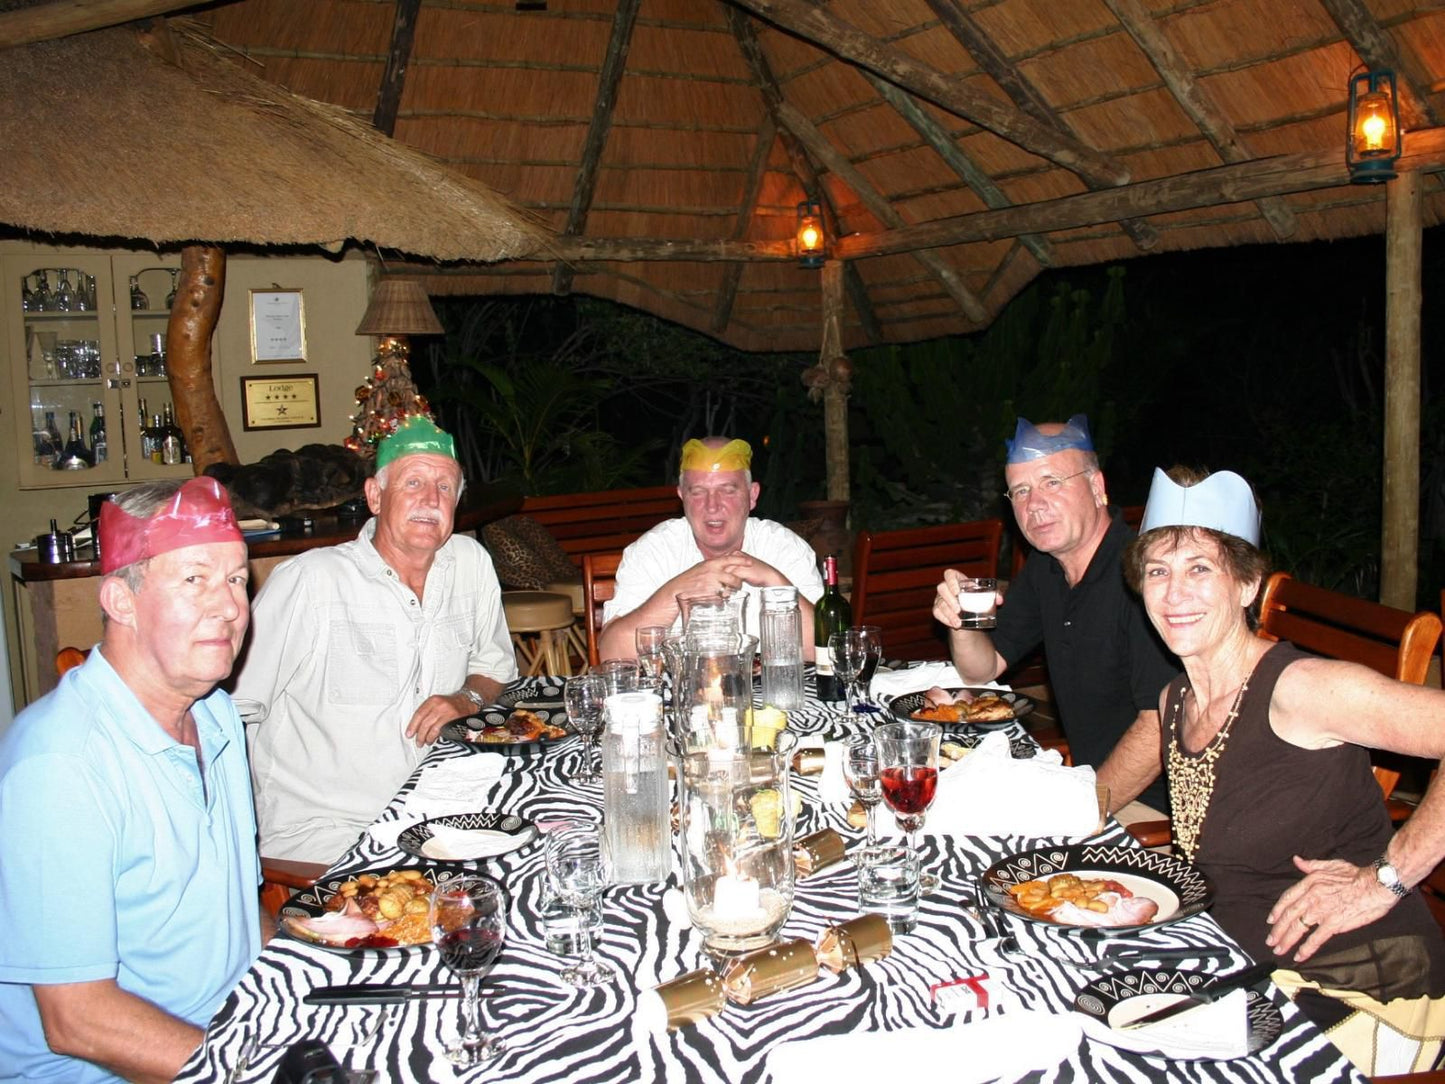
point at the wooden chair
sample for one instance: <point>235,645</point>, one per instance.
<point>896,575</point>
<point>599,583</point>
<point>1390,641</point>
<point>282,876</point>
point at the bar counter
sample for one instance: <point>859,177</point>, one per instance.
<point>55,604</point>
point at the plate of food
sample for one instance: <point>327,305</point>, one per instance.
<point>466,837</point>
<point>1117,999</point>
<point>985,709</point>
<point>377,912</point>
<point>516,729</point>
<point>1097,886</point>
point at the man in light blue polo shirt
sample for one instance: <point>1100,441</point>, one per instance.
<point>128,868</point>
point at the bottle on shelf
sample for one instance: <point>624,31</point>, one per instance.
<point>53,439</point>
<point>44,446</point>
<point>154,435</point>
<point>99,446</point>
<point>831,614</point>
<point>75,456</point>
<point>173,446</point>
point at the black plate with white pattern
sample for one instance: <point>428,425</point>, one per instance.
<point>544,700</point>
<point>312,902</point>
<point>514,833</point>
<point>1101,997</point>
<point>904,706</point>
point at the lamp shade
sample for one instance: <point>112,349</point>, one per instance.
<point>399,307</point>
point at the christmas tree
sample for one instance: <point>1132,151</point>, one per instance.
<point>387,399</point>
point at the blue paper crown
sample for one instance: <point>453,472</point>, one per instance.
<point>1029,443</point>
<point>1222,502</point>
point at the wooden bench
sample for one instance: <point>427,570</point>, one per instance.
<point>602,522</point>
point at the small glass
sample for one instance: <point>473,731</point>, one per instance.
<point>860,769</point>
<point>585,699</point>
<point>469,925</point>
<point>620,675</point>
<point>889,884</point>
<point>577,875</point>
<point>649,650</point>
<point>978,602</point>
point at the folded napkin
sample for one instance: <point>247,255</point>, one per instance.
<point>453,786</point>
<point>998,1047</point>
<point>925,675</point>
<point>1219,1030</point>
<point>988,793</point>
<point>465,844</point>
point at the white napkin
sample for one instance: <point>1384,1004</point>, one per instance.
<point>1219,1030</point>
<point>453,786</point>
<point>833,784</point>
<point>998,1047</point>
<point>464,844</point>
<point>988,793</point>
<point>925,675</point>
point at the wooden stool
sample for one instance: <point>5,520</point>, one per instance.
<point>577,632</point>
<point>538,622</point>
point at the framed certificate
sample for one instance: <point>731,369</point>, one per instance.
<point>281,402</point>
<point>278,326</point>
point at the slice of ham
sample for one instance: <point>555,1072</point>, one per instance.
<point>941,698</point>
<point>332,928</point>
<point>1123,911</point>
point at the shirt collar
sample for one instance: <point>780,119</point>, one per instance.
<point>374,565</point>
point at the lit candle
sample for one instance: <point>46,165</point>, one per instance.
<point>737,896</point>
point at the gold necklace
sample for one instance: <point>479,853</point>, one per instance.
<point>1191,779</point>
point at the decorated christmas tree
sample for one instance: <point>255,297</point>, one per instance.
<point>387,399</point>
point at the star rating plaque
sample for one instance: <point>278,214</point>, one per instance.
<point>280,402</point>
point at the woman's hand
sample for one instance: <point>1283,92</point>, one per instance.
<point>1334,896</point>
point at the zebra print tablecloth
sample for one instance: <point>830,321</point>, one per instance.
<point>556,1033</point>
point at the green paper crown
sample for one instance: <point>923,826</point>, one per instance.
<point>416,435</point>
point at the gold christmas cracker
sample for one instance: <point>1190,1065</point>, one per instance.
<point>692,998</point>
<point>808,761</point>
<point>856,942</point>
<point>769,971</point>
<point>817,851</point>
<point>857,815</point>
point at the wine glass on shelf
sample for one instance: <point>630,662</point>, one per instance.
<point>860,769</point>
<point>576,873</point>
<point>846,664</point>
<point>171,297</point>
<point>649,650</point>
<point>138,299</point>
<point>585,697</point>
<point>469,924</point>
<point>908,774</point>
<point>64,299</point>
<point>44,302</point>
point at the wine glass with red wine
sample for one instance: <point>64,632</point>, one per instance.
<point>908,773</point>
<point>578,875</point>
<point>469,924</point>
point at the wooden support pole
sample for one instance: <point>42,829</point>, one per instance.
<point>393,79</point>
<point>835,391</point>
<point>199,291</point>
<point>1400,534</point>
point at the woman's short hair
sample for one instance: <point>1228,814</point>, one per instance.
<point>1245,562</point>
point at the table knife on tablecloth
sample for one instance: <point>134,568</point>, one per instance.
<point>1206,995</point>
<point>379,993</point>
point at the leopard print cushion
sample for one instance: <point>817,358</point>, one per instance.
<point>525,554</point>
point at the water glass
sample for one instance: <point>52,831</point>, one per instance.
<point>649,650</point>
<point>978,602</point>
<point>620,675</point>
<point>576,874</point>
<point>888,884</point>
<point>860,769</point>
<point>585,698</point>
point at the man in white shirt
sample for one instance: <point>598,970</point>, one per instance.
<point>362,652</point>
<point>716,546</point>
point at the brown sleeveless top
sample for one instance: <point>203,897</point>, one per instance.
<point>1272,800</point>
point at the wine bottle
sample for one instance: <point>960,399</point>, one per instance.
<point>831,614</point>
<point>154,435</point>
<point>172,450</point>
<point>53,433</point>
<point>75,455</point>
<point>99,446</point>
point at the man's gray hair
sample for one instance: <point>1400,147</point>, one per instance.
<point>381,476</point>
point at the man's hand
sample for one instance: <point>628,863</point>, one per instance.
<point>437,711</point>
<point>726,573</point>
<point>1335,896</point>
<point>945,603</point>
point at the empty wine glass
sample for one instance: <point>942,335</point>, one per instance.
<point>171,297</point>
<point>138,299</point>
<point>576,873</point>
<point>849,654</point>
<point>860,768</point>
<point>584,697</point>
<point>63,299</point>
<point>908,773</point>
<point>649,650</point>
<point>870,640</point>
<point>44,302</point>
<point>27,295</point>
<point>469,924</point>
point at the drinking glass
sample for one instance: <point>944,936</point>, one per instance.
<point>869,639</point>
<point>576,873</point>
<point>138,299</point>
<point>860,768</point>
<point>584,697</point>
<point>64,299</point>
<point>846,664</point>
<point>649,650</point>
<point>171,297</point>
<point>44,302</point>
<point>469,924</point>
<point>620,675</point>
<point>908,773</point>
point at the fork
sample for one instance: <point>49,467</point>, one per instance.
<point>1007,943</point>
<point>367,1035</point>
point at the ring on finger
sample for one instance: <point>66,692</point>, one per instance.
<point>1306,923</point>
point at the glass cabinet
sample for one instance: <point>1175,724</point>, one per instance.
<point>86,336</point>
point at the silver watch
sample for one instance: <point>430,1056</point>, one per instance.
<point>478,701</point>
<point>1389,877</point>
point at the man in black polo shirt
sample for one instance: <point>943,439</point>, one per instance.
<point>1106,664</point>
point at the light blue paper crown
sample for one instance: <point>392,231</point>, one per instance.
<point>1222,502</point>
<point>1029,443</point>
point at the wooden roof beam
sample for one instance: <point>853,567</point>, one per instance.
<point>393,79</point>
<point>727,294</point>
<point>828,32</point>
<point>1239,182</point>
<point>944,146</point>
<point>586,184</point>
<point>1378,50</point>
<point>803,168</point>
<point>1021,91</point>
<point>62,18</point>
<point>1195,102</point>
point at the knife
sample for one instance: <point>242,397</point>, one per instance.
<point>1207,995</point>
<point>379,993</point>
<point>1155,956</point>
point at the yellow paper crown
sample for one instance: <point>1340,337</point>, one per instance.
<point>734,455</point>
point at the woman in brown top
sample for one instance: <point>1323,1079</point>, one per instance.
<point>1265,749</point>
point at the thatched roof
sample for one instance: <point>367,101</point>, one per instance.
<point>959,145</point>
<point>157,137</point>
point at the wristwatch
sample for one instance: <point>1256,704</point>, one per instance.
<point>478,701</point>
<point>1389,877</point>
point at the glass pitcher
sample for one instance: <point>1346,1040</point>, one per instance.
<point>782,648</point>
<point>715,690</point>
<point>717,616</point>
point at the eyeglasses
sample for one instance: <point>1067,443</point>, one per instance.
<point>1047,486</point>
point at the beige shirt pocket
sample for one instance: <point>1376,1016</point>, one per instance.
<point>361,667</point>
